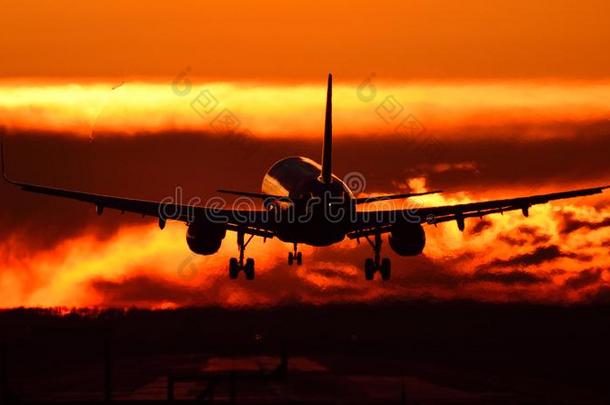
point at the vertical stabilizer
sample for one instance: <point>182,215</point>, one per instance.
<point>327,149</point>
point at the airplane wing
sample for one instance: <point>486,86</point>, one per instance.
<point>249,221</point>
<point>252,222</point>
<point>371,222</point>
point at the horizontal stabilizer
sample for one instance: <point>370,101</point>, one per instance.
<point>365,200</point>
<point>262,196</point>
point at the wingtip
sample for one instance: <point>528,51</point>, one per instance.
<point>429,192</point>
<point>601,188</point>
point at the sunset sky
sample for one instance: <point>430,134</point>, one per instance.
<point>481,99</point>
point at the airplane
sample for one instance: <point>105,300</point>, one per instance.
<point>305,203</point>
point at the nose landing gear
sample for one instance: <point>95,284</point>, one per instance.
<point>296,255</point>
<point>372,265</point>
<point>236,265</point>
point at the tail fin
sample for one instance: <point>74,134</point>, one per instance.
<point>327,149</point>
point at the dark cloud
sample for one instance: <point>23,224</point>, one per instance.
<point>538,256</point>
<point>524,235</point>
<point>142,291</point>
<point>421,271</point>
<point>584,278</point>
<point>541,255</point>
<point>480,226</point>
<point>147,167</point>
<point>444,275</point>
<point>141,288</point>
<point>502,161</point>
<point>557,272</point>
<point>509,277</point>
<point>331,273</point>
<point>529,230</point>
<point>571,224</point>
<point>600,296</point>
<point>150,166</point>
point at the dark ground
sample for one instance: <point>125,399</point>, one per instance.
<point>427,353</point>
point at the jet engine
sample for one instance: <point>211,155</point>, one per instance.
<point>407,239</point>
<point>204,237</point>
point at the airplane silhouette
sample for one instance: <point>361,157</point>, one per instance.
<point>305,203</point>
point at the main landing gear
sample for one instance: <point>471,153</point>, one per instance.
<point>296,255</point>
<point>235,265</point>
<point>372,265</point>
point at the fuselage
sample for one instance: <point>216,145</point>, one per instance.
<point>318,213</point>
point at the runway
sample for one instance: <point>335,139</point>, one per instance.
<point>423,353</point>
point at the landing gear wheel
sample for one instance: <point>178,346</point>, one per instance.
<point>249,269</point>
<point>386,269</point>
<point>233,268</point>
<point>369,269</point>
<point>371,265</point>
<point>295,255</point>
<point>236,265</point>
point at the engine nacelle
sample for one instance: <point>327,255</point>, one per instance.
<point>407,239</point>
<point>205,238</point>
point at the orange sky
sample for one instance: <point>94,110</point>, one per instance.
<point>509,98</point>
<point>302,40</point>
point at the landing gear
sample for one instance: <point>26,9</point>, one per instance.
<point>236,265</point>
<point>249,269</point>
<point>292,256</point>
<point>371,265</point>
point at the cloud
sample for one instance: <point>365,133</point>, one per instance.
<point>600,295</point>
<point>509,277</point>
<point>584,278</point>
<point>524,235</point>
<point>42,237</point>
<point>122,165</point>
<point>142,290</point>
<point>571,224</point>
<point>480,226</point>
<point>540,255</point>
